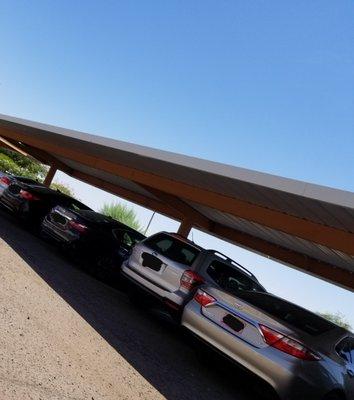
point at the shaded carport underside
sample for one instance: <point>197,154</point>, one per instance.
<point>302,225</point>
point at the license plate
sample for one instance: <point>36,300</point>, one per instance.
<point>59,219</point>
<point>233,323</point>
<point>151,262</point>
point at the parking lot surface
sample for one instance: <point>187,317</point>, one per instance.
<point>64,335</point>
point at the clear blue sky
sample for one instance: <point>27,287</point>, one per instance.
<point>266,85</point>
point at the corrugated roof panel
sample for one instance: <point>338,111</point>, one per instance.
<point>279,238</point>
<point>114,179</point>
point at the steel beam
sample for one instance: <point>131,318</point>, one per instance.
<point>185,228</point>
<point>50,175</point>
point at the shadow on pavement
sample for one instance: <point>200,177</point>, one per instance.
<point>164,355</point>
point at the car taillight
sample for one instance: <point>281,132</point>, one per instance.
<point>190,280</point>
<point>204,299</point>
<point>5,180</point>
<point>78,227</point>
<point>287,345</point>
<point>28,196</point>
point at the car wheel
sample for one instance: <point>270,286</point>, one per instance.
<point>103,266</point>
<point>41,232</point>
<point>22,214</point>
<point>72,251</point>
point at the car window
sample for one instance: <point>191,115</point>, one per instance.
<point>351,350</point>
<point>344,350</point>
<point>172,248</point>
<point>127,238</point>
<point>163,245</point>
<point>230,278</point>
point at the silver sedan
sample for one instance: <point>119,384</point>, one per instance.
<point>301,355</point>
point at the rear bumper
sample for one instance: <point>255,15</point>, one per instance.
<point>51,230</point>
<point>285,377</point>
<point>177,298</point>
<point>11,203</point>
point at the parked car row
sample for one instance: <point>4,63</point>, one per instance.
<point>300,354</point>
<point>97,242</point>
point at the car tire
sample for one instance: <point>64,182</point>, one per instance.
<point>100,266</point>
<point>22,214</point>
<point>41,232</point>
<point>72,252</point>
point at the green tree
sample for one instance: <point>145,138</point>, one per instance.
<point>336,318</point>
<point>122,213</point>
<point>18,164</point>
<point>63,189</point>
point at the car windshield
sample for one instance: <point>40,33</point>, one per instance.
<point>288,313</point>
<point>231,279</point>
<point>172,248</point>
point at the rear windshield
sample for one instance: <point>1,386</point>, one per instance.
<point>27,180</point>
<point>172,248</point>
<point>76,205</point>
<point>288,313</point>
<point>96,217</point>
<point>231,279</point>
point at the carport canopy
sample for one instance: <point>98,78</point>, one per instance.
<point>302,225</point>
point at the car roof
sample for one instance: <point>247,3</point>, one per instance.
<point>111,222</point>
<point>47,191</point>
<point>42,189</point>
<point>183,239</point>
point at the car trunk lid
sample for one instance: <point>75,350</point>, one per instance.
<point>157,268</point>
<point>255,309</point>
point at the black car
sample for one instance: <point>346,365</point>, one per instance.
<point>7,179</point>
<point>32,202</point>
<point>97,242</point>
